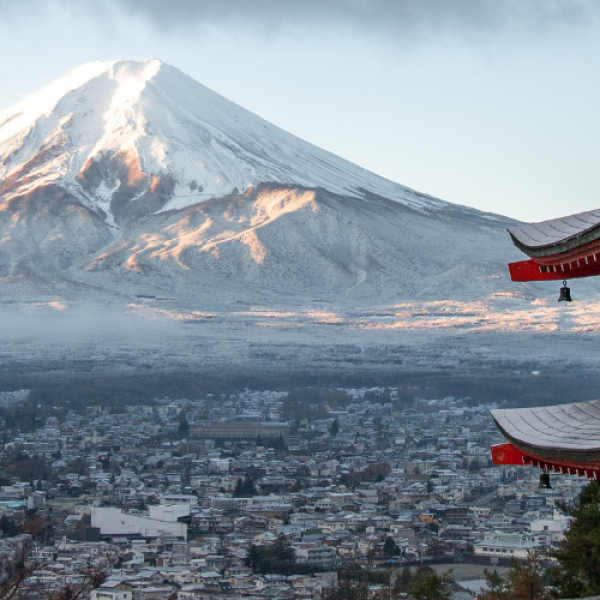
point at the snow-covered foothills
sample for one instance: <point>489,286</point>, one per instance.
<point>140,210</point>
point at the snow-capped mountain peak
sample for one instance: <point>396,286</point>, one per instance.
<point>132,178</point>
<point>118,132</point>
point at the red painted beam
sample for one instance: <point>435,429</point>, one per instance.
<point>529,270</point>
<point>508,454</point>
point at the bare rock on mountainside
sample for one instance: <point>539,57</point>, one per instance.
<point>131,178</point>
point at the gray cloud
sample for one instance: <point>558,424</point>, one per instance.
<point>395,18</point>
<point>468,18</point>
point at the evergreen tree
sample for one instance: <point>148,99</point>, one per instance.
<point>250,487</point>
<point>9,527</point>
<point>402,582</point>
<point>282,549</point>
<point>498,589</point>
<point>253,557</point>
<point>277,557</point>
<point>278,444</point>
<point>435,548</point>
<point>244,488</point>
<point>239,488</point>
<point>525,578</point>
<point>428,585</point>
<point>390,548</point>
<point>184,428</point>
<point>335,428</point>
<point>579,572</point>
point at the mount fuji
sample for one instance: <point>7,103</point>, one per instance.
<point>130,179</point>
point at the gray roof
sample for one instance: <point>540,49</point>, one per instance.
<point>559,235</point>
<point>571,428</point>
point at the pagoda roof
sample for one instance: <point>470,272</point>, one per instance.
<point>547,238</point>
<point>564,431</point>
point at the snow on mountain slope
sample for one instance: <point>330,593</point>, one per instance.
<point>148,127</point>
<point>132,178</point>
<point>311,243</point>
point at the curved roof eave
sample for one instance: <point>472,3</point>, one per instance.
<point>565,431</point>
<point>557,235</point>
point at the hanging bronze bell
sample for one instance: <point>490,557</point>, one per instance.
<point>565,293</point>
<point>545,482</point>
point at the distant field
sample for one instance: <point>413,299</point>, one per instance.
<point>465,572</point>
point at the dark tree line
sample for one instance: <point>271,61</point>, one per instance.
<point>376,472</point>
<point>277,557</point>
<point>245,488</point>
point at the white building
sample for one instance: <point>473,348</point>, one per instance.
<point>168,512</point>
<point>505,545</point>
<point>554,527</point>
<point>179,499</point>
<point>113,521</point>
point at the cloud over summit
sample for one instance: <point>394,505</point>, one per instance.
<point>375,15</point>
<point>397,18</point>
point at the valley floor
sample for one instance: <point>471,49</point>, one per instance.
<point>502,339</point>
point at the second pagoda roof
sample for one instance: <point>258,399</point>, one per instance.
<point>564,429</point>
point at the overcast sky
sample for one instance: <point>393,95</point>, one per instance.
<point>489,103</point>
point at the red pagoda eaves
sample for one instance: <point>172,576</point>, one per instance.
<point>565,248</point>
<point>563,438</point>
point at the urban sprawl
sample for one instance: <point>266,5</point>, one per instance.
<point>264,494</point>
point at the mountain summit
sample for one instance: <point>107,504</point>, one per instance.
<point>136,137</point>
<point>132,177</point>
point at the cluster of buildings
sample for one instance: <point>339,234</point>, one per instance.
<point>180,490</point>
<point>13,398</point>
